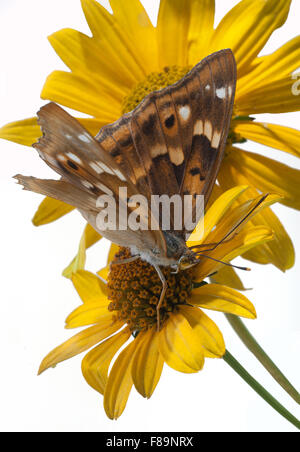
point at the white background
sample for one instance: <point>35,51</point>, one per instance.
<point>35,299</point>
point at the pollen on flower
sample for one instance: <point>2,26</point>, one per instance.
<point>139,291</point>
<point>154,81</point>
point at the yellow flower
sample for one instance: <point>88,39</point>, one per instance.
<point>120,307</point>
<point>127,57</point>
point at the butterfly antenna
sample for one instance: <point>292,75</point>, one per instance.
<point>224,263</point>
<point>236,226</point>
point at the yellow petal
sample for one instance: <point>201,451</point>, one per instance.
<point>26,131</point>
<point>119,382</point>
<point>247,240</point>
<point>268,175</point>
<point>209,337</point>
<point>247,28</point>
<point>81,342</point>
<point>135,21</point>
<point>50,210</point>
<point>279,251</point>
<point>228,277</point>
<point>147,364</point>
<point>214,214</point>
<point>179,345</point>
<point>201,29</point>
<point>84,55</point>
<point>273,135</point>
<point>82,93</point>
<point>278,96</point>
<point>89,238</point>
<point>87,314</point>
<point>103,273</point>
<point>223,299</point>
<point>238,217</point>
<point>244,241</point>
<point>112,252</point>
<point>90,287</point>
<point>281,63</point>
<point>113,41</point>
<point>172,30</point>
<point>95,364</point>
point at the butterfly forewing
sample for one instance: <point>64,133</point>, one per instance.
<point>180,132</point>
<point>211,89</point>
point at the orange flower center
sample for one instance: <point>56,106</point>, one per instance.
<point>134,290</point>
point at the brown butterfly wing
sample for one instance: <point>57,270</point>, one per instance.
<point>85,165</point>
<point>180,132</point>
<point>210,90</point>
<point>172,143</point>
<point>117,140</point>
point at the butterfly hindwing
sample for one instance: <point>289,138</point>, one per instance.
<point>117,139</point>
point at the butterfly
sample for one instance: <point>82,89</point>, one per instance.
<point>172,143</point>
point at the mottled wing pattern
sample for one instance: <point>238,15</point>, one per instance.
<point>180,132</point>
<point>89,171</point>
<point>210,88</point>
<point>117,140</point>
<point>172,143</point>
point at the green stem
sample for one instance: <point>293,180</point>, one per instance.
<point>241,371</point>
<point>261,355</point>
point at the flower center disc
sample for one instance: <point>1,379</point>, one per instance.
<point>154,81</point>
<point>134,290</point>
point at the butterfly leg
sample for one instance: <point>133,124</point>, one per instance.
<point>162,294</point>
<point>124,261</point>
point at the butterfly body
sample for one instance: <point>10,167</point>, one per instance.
<point>171,144</point>
<point>176,249</point>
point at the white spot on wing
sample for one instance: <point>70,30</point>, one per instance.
<point>104,188</point>
<point>120,175</point>
<point>229,91</point>
<point>62,157</point>
<point>221,92</point>
<point>74,157</point>
<point>158,150</point>
<point>84,137</point>
<point>105,168</point>
<point>95,166</point>
<point>176,155</point>
<point>185,112</point>
<point>207,87</point>
<point>198,128</point>
<point>87,184</point>
<point>216,140</point>
<point>208,130</point>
